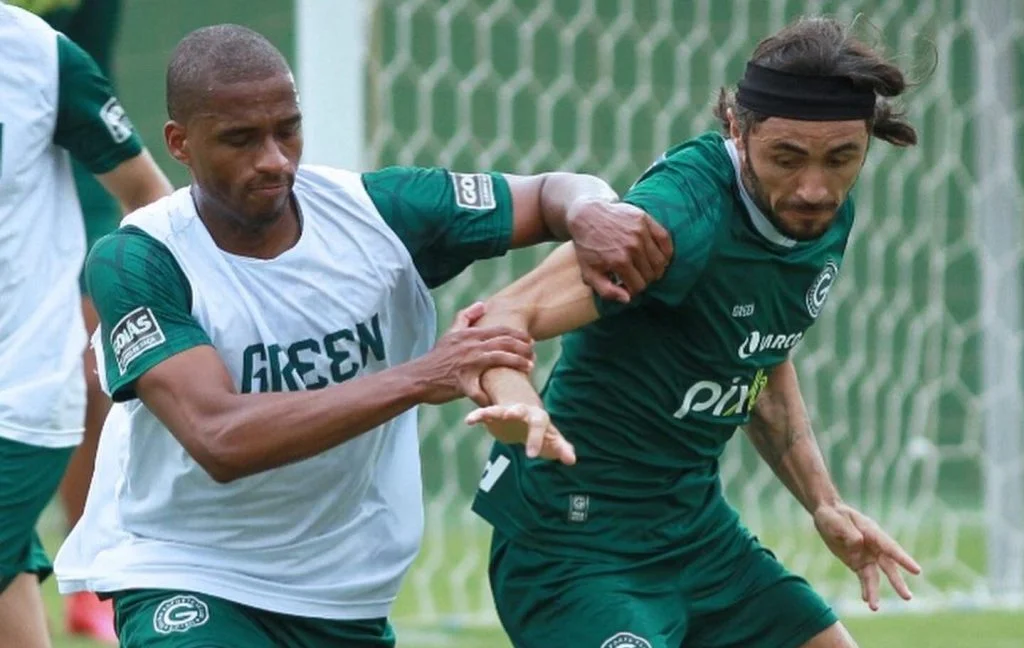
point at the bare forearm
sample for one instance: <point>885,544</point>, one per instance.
<point>546,302</point>
<point>781,431</point>
<point>272,430</point>
<point>561,191</point>
<point>136,182</point>
<point>233,435</point>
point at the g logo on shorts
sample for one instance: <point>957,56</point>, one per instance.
<point>625,640</point>
<point>179,614</point>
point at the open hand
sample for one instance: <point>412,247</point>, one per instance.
<point>526,424</point>
<point>864,547</point>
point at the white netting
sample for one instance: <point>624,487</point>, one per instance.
<point>892,372</point>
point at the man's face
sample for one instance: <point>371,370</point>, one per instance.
<point>242,147</point>
<point>799,172</point>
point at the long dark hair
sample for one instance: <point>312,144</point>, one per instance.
<point>824,46</point>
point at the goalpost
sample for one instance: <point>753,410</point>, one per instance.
<point>912,373</point>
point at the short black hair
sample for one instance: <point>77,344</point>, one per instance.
<point>219,54</point>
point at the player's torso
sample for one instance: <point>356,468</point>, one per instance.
<point>42,242</point>
<point>750,307</point>
<point>649,397</point>
<point>344,302</point>
<point>688,374</point>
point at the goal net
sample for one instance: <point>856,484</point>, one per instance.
<point>912,373</point>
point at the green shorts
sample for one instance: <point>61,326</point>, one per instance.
<point>29,476</point>
<point>152,618</point>
<point>544,600</point>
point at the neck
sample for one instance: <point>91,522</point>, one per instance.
<point>265,238</point>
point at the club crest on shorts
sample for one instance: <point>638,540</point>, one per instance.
<point>180,613</point>
<point>625,640</point>
<point>818,292</point>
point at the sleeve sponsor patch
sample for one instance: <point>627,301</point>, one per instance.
<point>136,333</point>
<point>116,120</point>
<point>474,190</point>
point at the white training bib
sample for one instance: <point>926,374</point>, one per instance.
<point>328,537</point>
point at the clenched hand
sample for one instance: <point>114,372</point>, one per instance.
<point>620,248</point>
<point>452,369</point>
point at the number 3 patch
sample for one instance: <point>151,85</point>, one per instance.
<point>473,190</point>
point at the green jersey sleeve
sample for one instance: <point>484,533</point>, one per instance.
<point>91,124</point>
<point>446,220</point>
<point>144,301</point>
<point>666,191</point>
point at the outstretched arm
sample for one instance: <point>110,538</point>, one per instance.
<point>155,350</point>
<point>448,220</point>
<point>780,429</point>
<point>548,301</point>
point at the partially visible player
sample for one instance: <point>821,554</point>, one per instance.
<point>93,26</point>
<point>266,335</point>
<point>53,101</point>
<point>635,545</point>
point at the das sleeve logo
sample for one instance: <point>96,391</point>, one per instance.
<point>136,333</point>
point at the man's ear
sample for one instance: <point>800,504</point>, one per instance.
<point>176,138</point>
<point>734,128</point>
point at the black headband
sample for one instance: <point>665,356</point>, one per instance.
<point>804,97</point>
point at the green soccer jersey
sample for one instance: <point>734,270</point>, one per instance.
<point>652,391</point>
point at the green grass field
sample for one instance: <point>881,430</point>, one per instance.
<point>946,630</point>
<point>437,577</point>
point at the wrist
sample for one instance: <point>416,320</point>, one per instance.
<point>574,212</point>
<point>831,501</point>
<point>411,383</point>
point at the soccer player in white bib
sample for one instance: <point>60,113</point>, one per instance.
<point>55,104</point>
<point>266,335</point>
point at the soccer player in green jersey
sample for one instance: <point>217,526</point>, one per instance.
<point>634,545</point>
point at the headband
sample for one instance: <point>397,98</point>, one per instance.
<point>805,97</point>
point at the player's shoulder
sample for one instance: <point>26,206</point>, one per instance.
<point>163,218</point>
<point>692,181</point>
<point>29,46</point>
<point>704,160</point>
<point>327,181</point>
<point>320,176</point>
<point>26,33</point>
<point>338,193</point>
<point>29,25</point>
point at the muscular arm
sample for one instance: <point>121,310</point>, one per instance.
<point>154,349</point>
<point>544,205</point>
<point>448,220</point>
<point>781,431</point>
<point>232,435</point>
